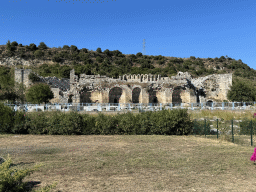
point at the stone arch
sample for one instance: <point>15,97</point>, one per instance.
<point>70,98</point>
<point>114,94</point>
<point>176,98</point>
<point>146,77</point>
<point>154,77</point>
<point>85,96</point>
<point>152,96</point>
<point>138,78</point>
<point>136,95</point>
<point>209,103</point>
<point>134,76</point>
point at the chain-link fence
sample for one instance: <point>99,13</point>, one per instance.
<point>236,131</point>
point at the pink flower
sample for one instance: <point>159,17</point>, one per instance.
<point>253,157</point>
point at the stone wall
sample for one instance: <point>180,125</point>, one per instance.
<point>139,88</point>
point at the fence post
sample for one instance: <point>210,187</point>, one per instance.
<point>205,127</point>
<point>160,106</point>
<point>195,127</point>
<point>222,106</point>
<point>232,131</point>
<point>78,106</point>
<point>192,106</point>
<point>233,105</point>
<point>217,130</point>
<point>251,133</point>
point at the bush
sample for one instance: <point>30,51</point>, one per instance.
<point>37,123</point>
<point>33,77</point>
<point>11,179</point>
<point>20,126</point>
<point>127,124</point>
<point>200,128</point>
<point>6,118</point>
<point>105,125</point>
<point>64,124</point>
<point>245,126</point>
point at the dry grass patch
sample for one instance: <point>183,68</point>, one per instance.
<point>133,162</point>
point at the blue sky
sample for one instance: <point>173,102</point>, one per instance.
<point>181,28</point>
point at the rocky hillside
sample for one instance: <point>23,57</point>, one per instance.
<point>59,61</point>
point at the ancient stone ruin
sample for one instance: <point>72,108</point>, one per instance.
<point>148,88</point>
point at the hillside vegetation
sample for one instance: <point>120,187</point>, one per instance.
<point>59,61</point>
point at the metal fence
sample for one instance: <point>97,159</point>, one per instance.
<point>236,131</point>
<point>132,106</point>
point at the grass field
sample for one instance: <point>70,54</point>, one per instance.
<point>135,162</point>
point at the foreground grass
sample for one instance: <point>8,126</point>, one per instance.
<point>133,162</point>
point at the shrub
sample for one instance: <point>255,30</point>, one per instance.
<point>126,124</point>
<point>6,118</point>
<point>200,128</point>
<point>37,123</point>
<point>245,126</point>
<point>105,125</point>
<point>20,126</point>
<point>11,179</point>
<point>65,124</point>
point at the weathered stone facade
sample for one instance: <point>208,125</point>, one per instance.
<point>148,88</point>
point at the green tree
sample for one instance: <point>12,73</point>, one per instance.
<point>33,77</point>
<point>139,54</point>
<point>42,46</point>
<point>66,47</point>
<point>38,54</point>
<point>56,58</point>
<point>193,58</point>
<point>8,46</point>
<point>84,50</point>
<point>39,93</point>
<point>73,48</point>
<point>7,86</point>
<point>117,53</point>
<point>65,71</point>
<point>14,44</point>
<point>107,52</point>
<point>99,59</point>
<point>99,50</point>
<point>241,91</point>
<point>32,47</point>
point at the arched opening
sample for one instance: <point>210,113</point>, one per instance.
<point>70,98</point>
<point>152,96</point>
<point>85,96</point>
<point>176,99</point>
<point>115,94</point>
<point>209,103</point>
<point>136,95</point>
